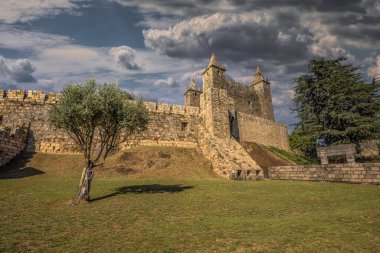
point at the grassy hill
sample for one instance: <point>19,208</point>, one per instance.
<point>168,200</point>
<point>139,162</point>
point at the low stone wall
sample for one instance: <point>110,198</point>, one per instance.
<point>350,173</point>
<point>12,142</point>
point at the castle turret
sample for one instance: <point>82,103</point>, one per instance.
<point>215,102</point>
<point>192,95</point>
<point>261,86</point>
<point>214,74</point>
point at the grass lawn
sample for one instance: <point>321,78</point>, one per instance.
<point>189,212</point>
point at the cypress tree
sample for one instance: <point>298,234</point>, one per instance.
<point>334,105</point>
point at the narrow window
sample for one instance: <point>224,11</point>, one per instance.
<point>1,119</point>
<point>184,126</point>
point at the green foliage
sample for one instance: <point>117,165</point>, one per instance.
<point>98,117</point>
<point>368,159</point>
<point>334,105</point>
<point>293,158</point>
<point>303,143</point>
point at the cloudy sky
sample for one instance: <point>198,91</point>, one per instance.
<point>153,47</point>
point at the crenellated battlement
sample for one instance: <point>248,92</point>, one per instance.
<point>29,96</point>
<point>168,108</point>
<point>40,97</point>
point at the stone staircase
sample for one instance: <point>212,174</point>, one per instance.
<point>229,159</point>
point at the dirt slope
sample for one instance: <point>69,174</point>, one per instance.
<point>262,156</point>
<point>139,162</point>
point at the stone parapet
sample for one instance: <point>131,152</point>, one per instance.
<point>350,173</point>
<point>29,96</point>
<point>168,108</point>
<point>40,97</point>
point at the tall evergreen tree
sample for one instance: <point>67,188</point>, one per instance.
<point>334,105</point>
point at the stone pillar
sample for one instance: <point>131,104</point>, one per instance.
<point>324,160</point>
<point>350,158</point>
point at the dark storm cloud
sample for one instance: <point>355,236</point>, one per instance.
<point>199,7</point>
<point>19,71</point>
<point>318,5</point>
<point>234,36</point>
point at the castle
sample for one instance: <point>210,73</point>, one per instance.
<point>217,121</point>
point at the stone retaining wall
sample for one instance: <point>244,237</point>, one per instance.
<point>12,142</point>
<point>349,173</point>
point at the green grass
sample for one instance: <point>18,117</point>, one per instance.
<point>293,158</point>
<point>184,214</point>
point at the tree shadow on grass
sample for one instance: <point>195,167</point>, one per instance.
<point>20,173</point>
<point>139,189</point>
<point>16,168</point>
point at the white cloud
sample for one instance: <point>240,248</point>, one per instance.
<point>71,60</point>
<point>282,95</point>
<point>12,11</point>
<point>16,71</point>
<point>168,82</point>
<point>284,38</point>
<point>12,38</point>
<point>124,57</point>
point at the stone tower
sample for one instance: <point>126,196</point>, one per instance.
<point>215,102</point>
<point>214,74</point>
<point>192,95</point>
<point>261,86</point>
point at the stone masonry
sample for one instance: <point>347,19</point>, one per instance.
<point>348,150</point>
<point>12,142</point>
<point>215,120</point>
<point>350,173</point>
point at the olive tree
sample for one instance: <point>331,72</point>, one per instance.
<point>97,118</point>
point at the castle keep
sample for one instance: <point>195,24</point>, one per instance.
<point>216,120</point>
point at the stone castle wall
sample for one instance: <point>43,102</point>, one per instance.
<point>12,142</point>
<point>170,125</point>
<point>244,97</point>
<point>214,120</point>
<point>263,131</point>
<point>215,104</point>
<point>349,173</point>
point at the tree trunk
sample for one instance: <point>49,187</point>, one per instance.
<point>85,182</point>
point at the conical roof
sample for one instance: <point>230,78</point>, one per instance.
<point>192,84</point>
<point>214,62</point>
<point>258,76</point>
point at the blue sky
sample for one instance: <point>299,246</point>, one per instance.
<point>152,48</point>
